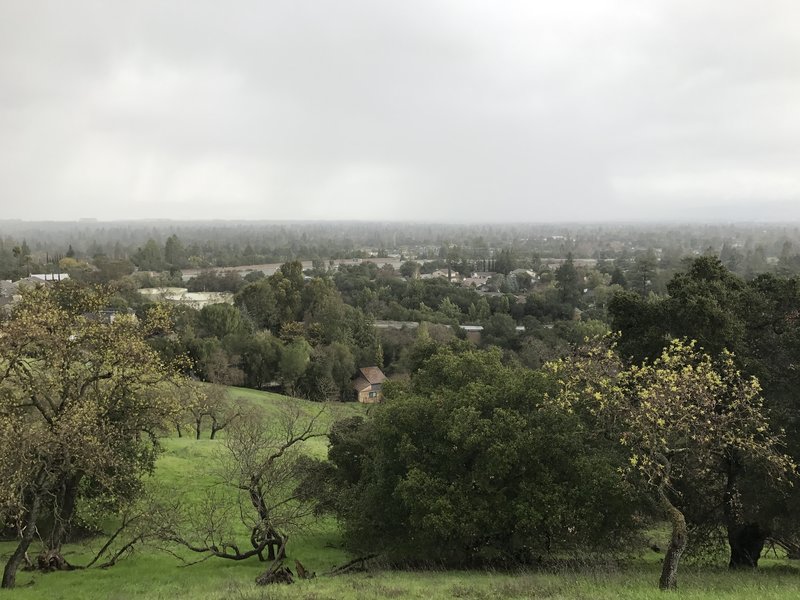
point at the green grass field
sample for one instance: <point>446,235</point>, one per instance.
<point>183,467</point>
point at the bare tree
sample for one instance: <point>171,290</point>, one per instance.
<point>207,402</point>
<point>256,474</point>
<point>221,409</point>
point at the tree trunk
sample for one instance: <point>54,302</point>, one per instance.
<point>18,556</point>
<point>746,542</point>
<point>264,528</point>
<point>276,541</point>
<point>269,576</point>
<point>197,430</point>
<point>677,544</point>
<point>15,561</point>
<point>64,511</point>
<point>178,427</point>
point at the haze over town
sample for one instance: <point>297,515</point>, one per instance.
<point>454,111</point>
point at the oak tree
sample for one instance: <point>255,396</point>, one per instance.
<point>680,417</point>
<point>256,473</point>
<point>78,418</point>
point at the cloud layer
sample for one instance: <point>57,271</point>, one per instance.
<point>451,110</point>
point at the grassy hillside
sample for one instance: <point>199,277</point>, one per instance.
<point>184,468</point>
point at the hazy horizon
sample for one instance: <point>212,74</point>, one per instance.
<point>412,222</point>
<point>445,111</point>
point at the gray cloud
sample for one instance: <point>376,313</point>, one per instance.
<point>443,110</point>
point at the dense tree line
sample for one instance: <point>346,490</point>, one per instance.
<point>745,249</point>
<point>281,330</point>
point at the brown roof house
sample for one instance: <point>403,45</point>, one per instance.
<point>368,384</point>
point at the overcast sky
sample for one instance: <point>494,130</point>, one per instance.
<point>405,110</point>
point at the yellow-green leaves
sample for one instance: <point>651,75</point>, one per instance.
<point>77,391</point>
<point>677,414</point>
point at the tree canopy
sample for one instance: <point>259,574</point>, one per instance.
<point>469,465</point>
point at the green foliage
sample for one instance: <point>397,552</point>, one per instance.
<point>328,374</point>
<point>679,415</point>
<point>468,465</point>
<point>644,272</point>
<point>221,320</point>
<point>175,253</point>
<point>258,299</point>
<point>642,323</point>
<point>293,362</point>
<point>505,262</point>
<point>260,355</point>
<point>300,314</point>
<point>568,283</point>
<point>409,269</point>
<point>149,257</point>
<point>548,305</point>
<point>707,303</point>
<point>479,311</point>
<point>500,330</point>
<point>577,332</point>
<point>449,310</point>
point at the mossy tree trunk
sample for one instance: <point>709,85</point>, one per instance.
<point>28,533</point>
<point>677,543</point>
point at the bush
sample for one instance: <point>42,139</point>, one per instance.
<point>468,466</point>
